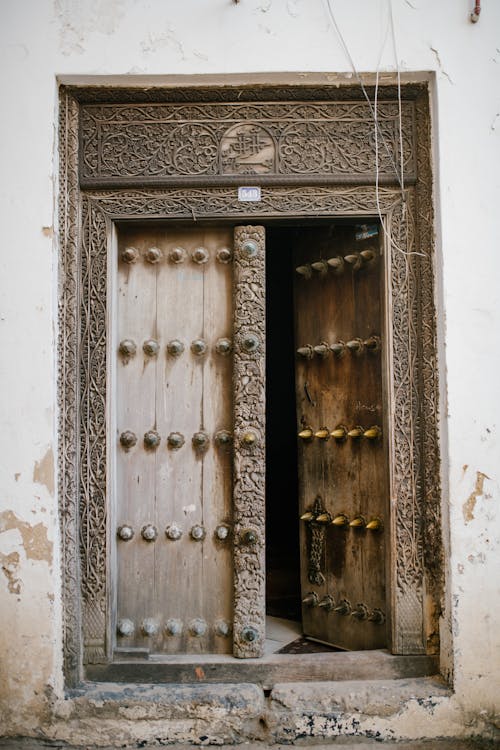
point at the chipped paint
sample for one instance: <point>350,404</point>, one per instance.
<point>43,471</point>
<point>158,40</point>
<point>34,538</point>
<point>109,37</point>
<point>77,21</point>
<point>470,504</point>
<point>10,568</point>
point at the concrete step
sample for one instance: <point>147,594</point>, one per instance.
<point>29,743</point>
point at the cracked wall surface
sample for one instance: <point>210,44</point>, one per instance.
<point>43,39</point>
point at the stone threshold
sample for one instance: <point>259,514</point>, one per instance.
<point>267,671</point>
<point>29,743</point>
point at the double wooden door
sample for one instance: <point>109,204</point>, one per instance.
<point>173,453</point>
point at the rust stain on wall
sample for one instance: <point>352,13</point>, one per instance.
<point>35,542</point>
<point>43,472</point>
<point>470,503</point>
<point>10,568</point>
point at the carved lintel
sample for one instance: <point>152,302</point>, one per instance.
<point>219,142</point>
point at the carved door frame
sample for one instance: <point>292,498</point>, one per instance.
<point>89,209</point>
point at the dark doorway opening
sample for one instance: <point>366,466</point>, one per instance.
<point>282,510</point>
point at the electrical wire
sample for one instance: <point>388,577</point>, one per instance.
<point>401,150</point>
<point>378,134</point>
<point>360,81</point>
<point>400,108</point>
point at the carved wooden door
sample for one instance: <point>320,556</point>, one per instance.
<point>176,526</point>
<point>342,441</point>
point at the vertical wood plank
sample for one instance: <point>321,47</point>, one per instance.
<point>217,462</point>
<point>135,397</point>
<point>180,385</point>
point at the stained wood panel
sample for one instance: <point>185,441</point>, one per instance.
<point>174,584</point>
<point>342,477</point>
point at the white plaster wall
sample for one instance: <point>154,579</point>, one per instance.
<point>42,39</point>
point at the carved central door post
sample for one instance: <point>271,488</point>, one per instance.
<point>249,430</point>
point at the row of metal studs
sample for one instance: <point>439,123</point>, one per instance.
<point>320,268</point>
<point>341,433</point>
<point>174,532</point>
<point>200,440</point>
<point>356,346</point>
<point>359,612</point>
<point>340,519</point>
<point>178,255</point>
<point>199,347</point>
<point>149,627</point>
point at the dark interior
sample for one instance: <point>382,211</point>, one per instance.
<point>282,526</point>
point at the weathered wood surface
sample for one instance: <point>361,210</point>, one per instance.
<point>349,476</point>
<point>165,579</point>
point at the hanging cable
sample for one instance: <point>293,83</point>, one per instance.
<point>400,108</point>
<point>401,150</point>
<point>377,131</point>
<point>361,84</point>
<point>392,242</point>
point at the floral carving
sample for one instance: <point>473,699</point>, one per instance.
<point>68,396</point>
<point>93,511</point>
<point>249,462</point>
<point>156,142</point>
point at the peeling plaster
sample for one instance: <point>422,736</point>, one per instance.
<point>43,471</point>
<point>78,20</point>
<point>470,504</point>
<point>480,558</point>
<point>265,6</point>
<point>157,40</point>
<point>291,8</point>
<point>34,659</point>
<point>10,569</point>
<point>34,538</point>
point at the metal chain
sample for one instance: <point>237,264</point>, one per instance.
<point>316,546</point>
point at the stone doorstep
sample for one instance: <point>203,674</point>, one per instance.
<point>28,743</point>
<point>286,700</point>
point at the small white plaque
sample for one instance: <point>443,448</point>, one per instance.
<point>249,193</point>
